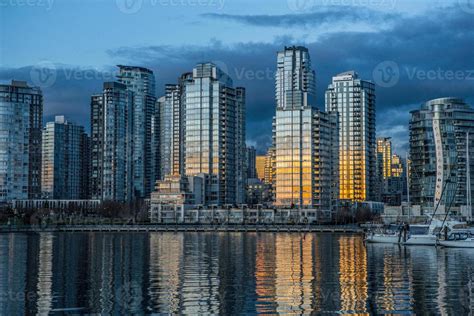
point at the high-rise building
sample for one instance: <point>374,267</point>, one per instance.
<point>395,187</point>
<point>251,158</point>
<point>439,168</point>
<point>354,101</point>
<point>384,148</point>
<point>171,107</point>
<point>214,137</point>
<point>270,172</point>
<point>64,172</point>
<point>302,136</point>
<point>111,144</point>
<point>295,79</point>
<point>391,174</point>
<point>305,159</point>
<point>383,164</point>
<point>21,116</point>
<point>260,166</point>
<point>141,81</point>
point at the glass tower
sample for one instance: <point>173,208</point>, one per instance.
<point>111,143</point>
<point>302,136</point>
<point>141,81</point>
<point>354,101</point>
<point>171,135</point>
<point>439,168</point>
<point>65,161</point>
<point>214,133</point>
<point>295,80</point>
<point>21,116</point>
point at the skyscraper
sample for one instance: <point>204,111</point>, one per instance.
<point>251,158</point>
<point>141,82</point>
<point>383,164</point>
<point>384,148</point>
<point>439,168</point>
<point>260,166</point>
<point>65,161</point>
<point>21,116</point>
<point>354,101</point>
<point>111,144</point>
<point>295,79</point>
<point>171,135</point>
<point>214,138</point>
<point>302,136</point>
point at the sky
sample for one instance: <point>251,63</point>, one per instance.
<point>413,50</point>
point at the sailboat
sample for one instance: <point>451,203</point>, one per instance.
<point>462,238</point>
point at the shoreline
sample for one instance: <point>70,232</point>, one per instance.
<point>351,229</point>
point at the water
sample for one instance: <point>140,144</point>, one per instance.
<point>228,273</point>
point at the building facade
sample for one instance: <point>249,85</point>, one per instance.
<point>295,79</point>
<point>260,166</point>
<point>306,159</point>
<point>214,134</point>
<point>354,101</point>
<point>111,143</point>
<point>302,136</point>
<point>440,162</point>
<point>21,116</point>
<point>141,81</point>
<point>251,162</point>
<point>65,170</point>
<point>171,134</point>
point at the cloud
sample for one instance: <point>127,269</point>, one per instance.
<point>424,49</point>
<point>316,17</point>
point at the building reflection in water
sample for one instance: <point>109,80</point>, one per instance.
<point>228,273</point>
<point>45,274</point>
<point>294,273</point>
<point>13,274</point>
<point>265,278</point>
<point>166,256</point>
<point>353,274</point>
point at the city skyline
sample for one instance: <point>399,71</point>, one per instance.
<point>246,57</point>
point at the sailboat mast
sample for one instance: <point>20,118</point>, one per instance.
<point>468,177</point>
<point>408,185</point>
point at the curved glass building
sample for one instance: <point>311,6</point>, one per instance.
<point>439,133</point>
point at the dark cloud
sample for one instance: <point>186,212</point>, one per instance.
<point>316,17</point>
<point>433,55</point>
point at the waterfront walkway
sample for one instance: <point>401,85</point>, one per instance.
<point>185,228</point>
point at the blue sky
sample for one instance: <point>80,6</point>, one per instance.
<point>84,40</point>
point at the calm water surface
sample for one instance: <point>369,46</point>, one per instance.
<point>228,273</point>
